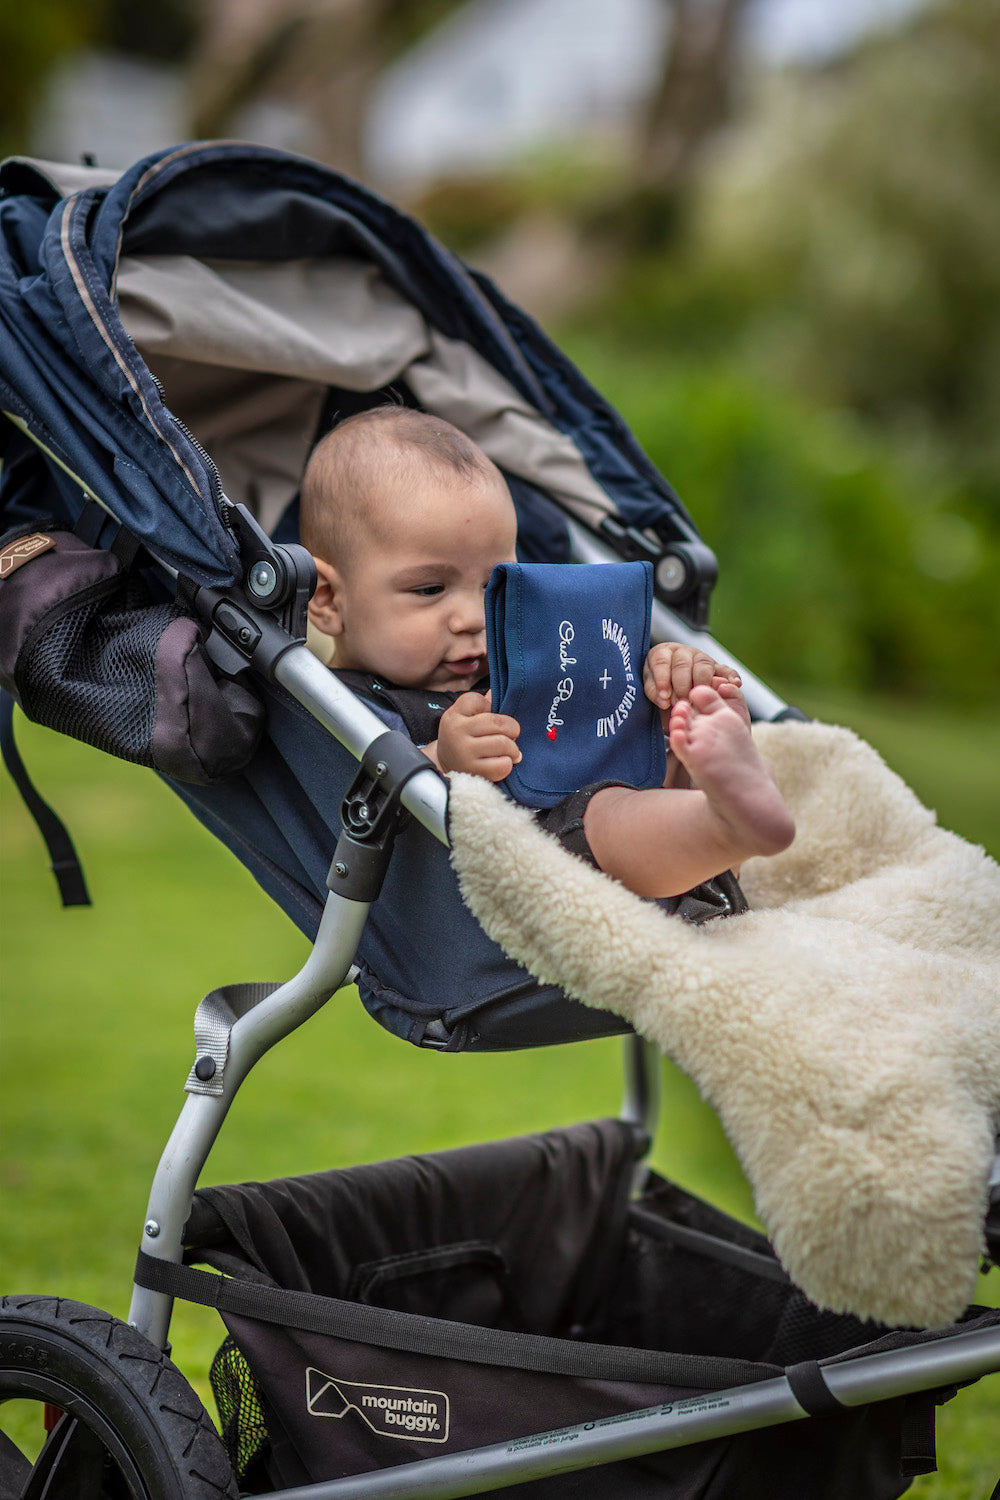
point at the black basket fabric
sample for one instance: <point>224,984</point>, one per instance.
<point>86,650</point>
<point>497,1291</point>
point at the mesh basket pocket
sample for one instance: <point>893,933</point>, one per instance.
<point>242,1422</point>
<point>87,650</point>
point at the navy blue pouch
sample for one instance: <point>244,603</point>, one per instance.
<point>566,646</point>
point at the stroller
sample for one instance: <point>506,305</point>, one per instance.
<point>545,1312</point>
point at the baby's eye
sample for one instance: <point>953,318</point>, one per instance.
<point>428,590</point>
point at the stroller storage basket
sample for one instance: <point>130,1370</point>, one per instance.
<point>434,1304</point>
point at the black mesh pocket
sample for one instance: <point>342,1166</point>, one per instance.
<point>87,650</point>
<point>92,675</point>
<point>242,1423</point>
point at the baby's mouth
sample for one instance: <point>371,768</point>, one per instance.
<point>465,666</point>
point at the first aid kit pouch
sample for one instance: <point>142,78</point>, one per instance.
<point>566,645</point>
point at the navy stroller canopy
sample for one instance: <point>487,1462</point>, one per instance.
<point>228,300</point>
<point>174,342</point>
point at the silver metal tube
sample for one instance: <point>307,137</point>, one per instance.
<point>324,971</point>
<point>642,1067</point>
<point>355,725</point>
<point>667,626</point>
<point>716,1414</point>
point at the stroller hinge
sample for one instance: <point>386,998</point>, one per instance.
<point>277,577</point>
<point>684,569</point>
<point>371,815</point>
<point>257,620</point>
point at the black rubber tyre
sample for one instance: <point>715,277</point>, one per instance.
<point>131,1426</point>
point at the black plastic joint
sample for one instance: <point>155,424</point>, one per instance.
<point>371,815</point>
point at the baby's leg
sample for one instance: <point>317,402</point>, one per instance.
<point>664,841</point>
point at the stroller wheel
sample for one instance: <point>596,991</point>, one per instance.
<point>90,1410</point>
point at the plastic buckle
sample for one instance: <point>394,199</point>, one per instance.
<point>371,815</point>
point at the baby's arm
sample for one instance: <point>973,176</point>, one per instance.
<point>472,738</point>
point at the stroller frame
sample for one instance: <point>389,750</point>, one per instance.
<point>235,1027</point>
<point>240,1040</point>
<point>232,1037</point>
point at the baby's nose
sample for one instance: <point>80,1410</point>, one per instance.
<point>469,617</point>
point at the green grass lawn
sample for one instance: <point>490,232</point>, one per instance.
<point>96,1031</point>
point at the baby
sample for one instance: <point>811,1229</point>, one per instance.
<point>406,519</point>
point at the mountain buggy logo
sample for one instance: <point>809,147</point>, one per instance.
<point>390,1410</point>
<point>16,554</point>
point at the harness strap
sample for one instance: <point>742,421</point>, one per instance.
<point>63,857</point>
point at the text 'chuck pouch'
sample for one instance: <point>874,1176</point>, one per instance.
<point>86,650</point>
<point>566,646</point>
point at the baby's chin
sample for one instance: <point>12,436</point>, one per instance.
<point>451,684</point>
<point>445,679</point>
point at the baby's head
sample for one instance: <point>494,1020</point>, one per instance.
<point>406,519</point>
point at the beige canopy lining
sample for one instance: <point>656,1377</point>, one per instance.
<point>247,350</point>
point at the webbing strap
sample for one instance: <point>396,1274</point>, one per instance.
<point>918,1434</point>
<point>63,857</point>
<point>413,1334</point>
<point>811,1390</point>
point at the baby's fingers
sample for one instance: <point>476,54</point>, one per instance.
<point>496,724</point>
<point>656,677</point>
<point>495,756</point>
<point>496,767</point>
<point>469,705</point>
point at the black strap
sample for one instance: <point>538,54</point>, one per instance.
<point>917,1432</point>
<point>386,1329</point>
<point>64,860</point>
<point>811,1390</point>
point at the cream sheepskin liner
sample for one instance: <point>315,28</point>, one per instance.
<point>846,1030</point>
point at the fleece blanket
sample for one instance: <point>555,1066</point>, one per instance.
<point>846,1029</point>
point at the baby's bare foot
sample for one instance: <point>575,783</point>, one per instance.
<point>711,738</point>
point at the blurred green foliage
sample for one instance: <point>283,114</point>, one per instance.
<point>32,37</point>
<point>810,351</point>
<point>842,561</point>
<point>814,361</point>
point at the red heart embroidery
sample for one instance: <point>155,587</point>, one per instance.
<point>551,731</point>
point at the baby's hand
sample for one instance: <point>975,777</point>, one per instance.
<point>472,738</point>
<point>671,670</point>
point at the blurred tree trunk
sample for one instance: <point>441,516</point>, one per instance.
<point>694,97</point>
<point>552,262</point>
<point>320,56</point>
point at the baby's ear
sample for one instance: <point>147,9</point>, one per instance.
<point>324,606</point>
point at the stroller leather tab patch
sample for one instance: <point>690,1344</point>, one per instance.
<point>390,1410</point>
<point>16,554</point>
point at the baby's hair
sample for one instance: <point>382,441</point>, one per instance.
<point>362,464</point>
